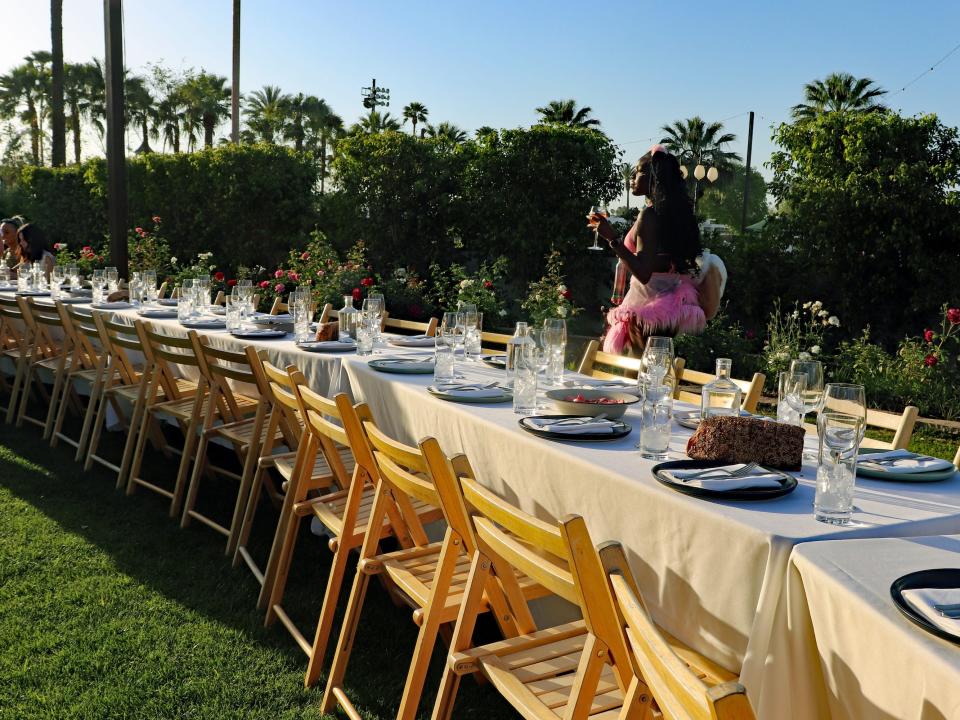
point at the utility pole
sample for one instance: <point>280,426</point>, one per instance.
<point>116,150</point>
<point>235,95</point>
<point>746,177</point>
<point>374,96</point>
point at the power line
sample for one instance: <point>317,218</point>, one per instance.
<point>927,71</point>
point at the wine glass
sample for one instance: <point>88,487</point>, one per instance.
<point>596,210</point>
<point>846,398</point>
<point>657,360</point>
<point>812,395</point>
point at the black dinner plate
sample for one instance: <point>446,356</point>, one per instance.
<point>939,578</point>
<point>495,361</point>
<point>788,483</point>
<point>260,334</point>
<point>617,434</point>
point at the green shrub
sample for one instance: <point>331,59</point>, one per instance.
<point>721,338</point>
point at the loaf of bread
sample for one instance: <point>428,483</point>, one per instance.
<point>746,440</point>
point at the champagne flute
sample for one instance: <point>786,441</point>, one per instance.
<point>596,210</point>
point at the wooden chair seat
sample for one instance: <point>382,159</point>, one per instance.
<point>241,432</point>
<point>284,464</point>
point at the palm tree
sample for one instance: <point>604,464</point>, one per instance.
<point>39,62</point>
<point>447,131</point>
<point>171,117</point>
<point>140,110</point>
<point>78,80</point>
<point>839,92</point>
<point>483,131</point>
<point>565,112</point>
<point>301,109</point>
<point>58,123</point>
<point>324,127</point>
<point>18,98</point>
<point>208,103</point>
<point>267,113</point>
<point>375,122</point>
<point>415,112</point>
<point>694,141</point>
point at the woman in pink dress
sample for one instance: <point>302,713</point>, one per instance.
<point>672,290</point>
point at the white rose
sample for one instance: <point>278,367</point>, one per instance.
<point>816,306</point>
<point>503,313</point>
<point>782,355</point>
<point>834,320</point>
<point>807,304</point>
<point>815,349</point>
<point>173,261</point>
<point>805,356</point>
<point>562,289</point>
<point>823,313</point>
<point>464,284</point>
<point>561,311</point>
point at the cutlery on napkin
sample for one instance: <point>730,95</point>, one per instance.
<point>575,426</point>
<point>726,477</point>
<point>475,390</point>
<point>902,461</point>
<point>926,601</point>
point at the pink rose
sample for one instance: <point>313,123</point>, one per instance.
<point>320,273</point>
<point>138,230</point>
<point>305,256</point>
<point>293,275</point>
<point>56,246</point>
<point>279,274</point>
<point>156,219</point>
<point>279,288</point>
<point>264,284</point>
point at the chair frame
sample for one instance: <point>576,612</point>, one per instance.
<point>751,389</point>
<point>47,354</point>
<point>18,347</point>
<point>412,327</point>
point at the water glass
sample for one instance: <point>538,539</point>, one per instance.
<point>525,384</point>
<point>377,306</point>
<point>112,277</point>
<point>656,362</point>
<point>846,398</point>
<point>185,308</point>
<point>443,369</point>
<point>836,474</point>
<point>233,311</point>
<point>473,339</point>
<point>790,398</point>
<point>656,417</point>
<point>366,333</point>
<point>300,311</point>
<point>73,275</point>
<point>555,346</point>
<point>24,277</point>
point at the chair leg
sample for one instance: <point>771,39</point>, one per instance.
<point>25,395</point>
<point>95,432</point>
<point>189,445</point>
<point>93,404</point>
<point>243,494</point>
<point>62,411</point>
<point>246,525</point>
<point>140,447</point>
<point>278,567</point>
<point>194,487</point>
<point>348,633</point>
<point>325,622</point>
<point>55,399</point>
<point>15,392</point>
<point>134,430</point>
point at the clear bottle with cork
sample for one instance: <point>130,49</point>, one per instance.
<point>721,396</point>
<point>348,319</point>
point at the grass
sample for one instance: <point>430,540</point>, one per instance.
<point>109,610</point>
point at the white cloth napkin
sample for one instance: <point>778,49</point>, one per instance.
<point>905,462</point>
<point>465,390</point>
<point>717,479</point>
<point>923,599</point>
<point>413,341</point>
<point>118,305</point>
<point>579,428</point>
<point>157,313</point>
<point>408,363</point>
<point>327,345</point>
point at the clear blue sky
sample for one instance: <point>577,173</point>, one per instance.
<point>638,64</point>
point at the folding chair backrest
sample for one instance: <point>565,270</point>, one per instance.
<point>219,367</point>
<point>750,389</point>
<point>162,351</point>
<point>560,556</point>
<point>278,306</point>
<point>120,339</point>
<point>83,331</point>
<point>428,328</point>
<point>276,386</point>
<point>494,342</point>
<point>323,419</point>
<point>902,425</point>
<point>13,325</point>
<point>677,689</point>
<point>40,320</point>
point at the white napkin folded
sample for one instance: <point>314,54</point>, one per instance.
<point>923,599</point>
<point>157,313</point>
<point>572,428</point>
<point>904,462</point>
<point>466,390</point>
<point>413,341</point>
<point>718,478</point>
<point>327,345</point>
<point>118,305</point>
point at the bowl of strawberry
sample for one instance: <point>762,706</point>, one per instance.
<point>591,403</point>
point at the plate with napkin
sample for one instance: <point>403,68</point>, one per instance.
<point>413,341</point>
<point>205,323</point>
<point>169,302</point>
<point>709,479</point>
<point>115,305</point>
<point>931,599</point>
<point>495,361</point>
<point>157,313</point>
<point>575,428</point>
<point>421,365</point>
<point>903,466</point>
<point>327,346</point>
<point>259,333</point>
<point>466,392</point>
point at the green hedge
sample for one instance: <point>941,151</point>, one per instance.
<point>247,204</point>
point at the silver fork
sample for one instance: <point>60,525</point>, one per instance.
<point>728,474</point>
<point>575,421</point>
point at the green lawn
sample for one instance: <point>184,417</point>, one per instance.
<point>109,610</point>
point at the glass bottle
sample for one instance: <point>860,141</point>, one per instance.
<point>517,346</point>
<point>348,318</point>
<point>721,396</point>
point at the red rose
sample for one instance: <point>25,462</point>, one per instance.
<point>928,335</point>
<point>232,282</point>
<point>953,315</point>
<point>138,230</point>
<point>156,219</point>
<point>488,285</point>
<point>566,294</point>
<point>264,284</point>
<point>357,294</point>
<point>218,276</point>
<point>367,281</point>
<point>85,249</point>
<point>89,256</point>
<point>930,360</point>
<point>279,274</point>
<point>305,256</point>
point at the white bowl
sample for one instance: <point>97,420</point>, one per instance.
<point>590,407</point>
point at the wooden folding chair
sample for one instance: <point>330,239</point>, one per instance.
<point>345,514</point>
<point>574,671</point>
<point>684,684</point>
<point>278,387</point>
<point>902,425</point>
<point>166,398</point>
<point>243,422</point>
<point>751,390</point>
<point>411,327</point>
<point>51,354</point>
<point>124,390</point>
<point>88,364</point>
<point>431,576</point>
<point>607,366</point>
<point>492,343</point>
<point>17,349</point>
<point>278,306</point>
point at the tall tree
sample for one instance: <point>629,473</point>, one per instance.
<point>375,122</point>
<point>58,126</point>
<point>208,102</point>
<point>566,112</point>
<point>39,62</point>
<point>170,117</point>
<point>267,112</point>
<point>301,108</point>
<point>18,98</point>
<point>839,92</point>
<point>324,129</point>
<point>415,112</point>
<point>447,131</point>
<point>79,78</point>
<point>695,141</point>
<point>140,110</point>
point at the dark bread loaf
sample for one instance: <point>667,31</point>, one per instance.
<point>745,440</point>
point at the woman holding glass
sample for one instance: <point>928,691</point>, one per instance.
<point>674,287</point>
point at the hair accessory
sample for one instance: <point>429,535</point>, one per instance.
<point>654,149</point>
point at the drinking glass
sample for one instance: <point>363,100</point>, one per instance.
<point>452,328</point>
<point>300,310</point>
<point>596,210</point>
<point>656,416</point>
<point>233,311</point>
<point>473,340</point>
<point>24,276</point>
<point>443,368</point>
<point>112,277</point>
<point>790,398</point>
<point>846,398</point>
<point>150,285</point>
<point>555,346</point>
<point>656,362</point>
<point>813,394</point>
<point>378,306</point>
<point>839,435</point>
<point>525,383</point>
<point>365,332</point>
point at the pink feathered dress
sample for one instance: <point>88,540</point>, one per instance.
<point>668,304</point>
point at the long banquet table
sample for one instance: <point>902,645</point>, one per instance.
<point>713,573</point>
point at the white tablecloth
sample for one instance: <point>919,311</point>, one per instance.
<point>712,572</point>
<point>852,654</point>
